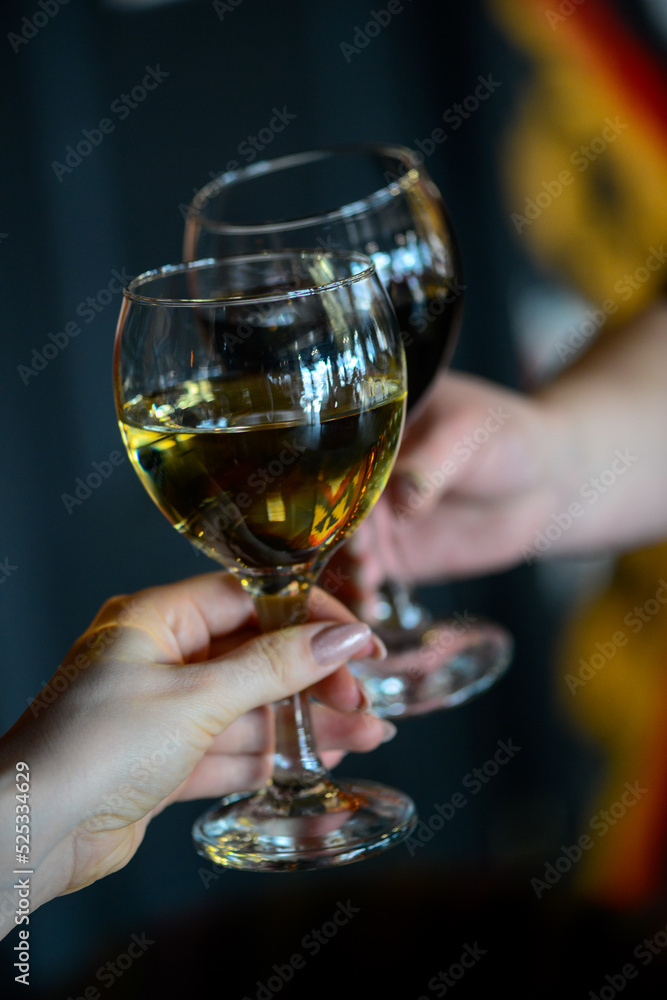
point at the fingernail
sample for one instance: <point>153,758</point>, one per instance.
<point>365,700</point>
<point>338,643</point>
<point>389,730</point>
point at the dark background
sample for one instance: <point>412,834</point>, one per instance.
<point>119,208</point>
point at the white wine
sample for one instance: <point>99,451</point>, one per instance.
<point>255,482</point>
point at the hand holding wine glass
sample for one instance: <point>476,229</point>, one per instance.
<point>261,399</point>
<point>175,680</point>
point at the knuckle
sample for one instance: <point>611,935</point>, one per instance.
<point>110,609</point>
<point>366,735</point>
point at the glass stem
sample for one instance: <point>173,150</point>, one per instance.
<point>297,766</point>
<point>398,609</point>
<point>405,611</point>
<point>296,763</point>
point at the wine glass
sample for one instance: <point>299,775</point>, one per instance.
<point>261,400</point>
<point>379,200</point>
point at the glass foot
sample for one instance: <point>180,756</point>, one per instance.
<point>328,825</point>
<point>433,666</point>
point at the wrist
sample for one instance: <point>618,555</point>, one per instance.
<point>29,836</point>
<point>565,450</point>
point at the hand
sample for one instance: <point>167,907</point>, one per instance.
<point>162,700</point>
<point>487,477</point>
<point>477,475</point>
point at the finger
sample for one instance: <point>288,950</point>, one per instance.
<point>331,758</point>
<point>353,732</point>
<point>342,691</point>
<point>222,774</point>
<point>465,538</point>
<point>212,779</point>
<point>253,733</point>
<point>455,439</point>
<point>182,617</point>
<point>323,606</point>
<point>222,645</point>
<point>217,774</point>
<point>272,666</point>
<point>197,619</point>
<point>333,730</point>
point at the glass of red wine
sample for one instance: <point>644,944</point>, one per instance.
<point>378,200</point>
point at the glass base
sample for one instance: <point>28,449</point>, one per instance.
<point>433,666</point>
<point>345,822</point>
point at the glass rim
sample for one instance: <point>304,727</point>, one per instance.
<point>209,263</point>
<point>412,160</point>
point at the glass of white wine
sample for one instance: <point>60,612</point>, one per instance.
<point>261,399</point>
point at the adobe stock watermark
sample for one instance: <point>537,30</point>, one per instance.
<point>591,491</point>
<point>231,512</point>
<point>121,107</point>
<point>6,569</point>
<point>566,8</point>
<point>595,318</point>
<point>222,7</point>
<point>363,35</point>
<point>31,26</point>
<point>455,116</point>
<point>83,489</point>
<point>444,979</point>
<point>443,639</point>
<point>600,824</point>
<point>248,150</point>
<point>462,452</point>
<point>8,910</point>
<point>581,158</point>
<point>87,310</point>
<point>473,781</point>
<point>606,650</point>
<point>646,952</point>
<point>115,968</point>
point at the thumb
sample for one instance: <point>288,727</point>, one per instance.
<point>277,664</point>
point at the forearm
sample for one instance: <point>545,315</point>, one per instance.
<point>610,409</point>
